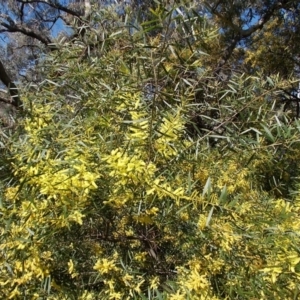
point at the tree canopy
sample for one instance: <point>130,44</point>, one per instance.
<point>154,152</point>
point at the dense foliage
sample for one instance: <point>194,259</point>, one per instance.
<point>137,172</point>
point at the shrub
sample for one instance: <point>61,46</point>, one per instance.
<point>137,174</point>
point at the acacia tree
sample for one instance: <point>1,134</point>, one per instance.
<point>137,173</point>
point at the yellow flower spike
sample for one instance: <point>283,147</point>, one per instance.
<point>14,294</point>
<point>70,266</point>
<point>87,296</point>
<point>11,193</point>
<point>111,284</point>
<point>154,283</point>
<point>127,279</point>
<point>104,266</point>
<point>77,217</point>
<point>178,296</point>
<point>137,288</point>
<point>152,211</point>
<point>115,296</point>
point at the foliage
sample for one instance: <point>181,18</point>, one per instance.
<point>275,49</point>
<point>258,35</point>
<point>137,174</point>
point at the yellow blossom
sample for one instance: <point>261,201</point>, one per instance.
<point>71,266</point>
<point>76,216</point>
<point>154,283</point>
<point>104,266</point>
<point>87,296</point>
<point>127,279</point>
<point>178,296</point>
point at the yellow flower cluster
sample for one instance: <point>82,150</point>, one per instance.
<point>234,178</point>
<point>128,168</point>
<point>105,266</point>
<point>169,131</point>
<point>139,127</point>
<point>193,284</point>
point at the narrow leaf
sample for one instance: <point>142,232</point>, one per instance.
<point>207,187</point>
<point>223,195</point>
<point>209,216</point>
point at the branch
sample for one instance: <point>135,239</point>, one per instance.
<point>227,54</point>
<point>53,5</point>
<point>263,20</point>
<point>4,100</point>
<point>12,27</point>
<point>13,90</point>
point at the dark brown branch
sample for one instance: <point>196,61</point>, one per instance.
<point>227,53</point>
<point>4,100</point>
<point>53,5</point>
<point>263,20</point>
<point>27,31</point>
<point>13,90</point>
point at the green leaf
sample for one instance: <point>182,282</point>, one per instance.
<point>209,216</point>
<point>223,195</point>
<point>207,187</point>
<point>268,133</point>
<point>270,81</point>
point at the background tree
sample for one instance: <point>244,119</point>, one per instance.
<point>275,49</point>
<point>27,32</point>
